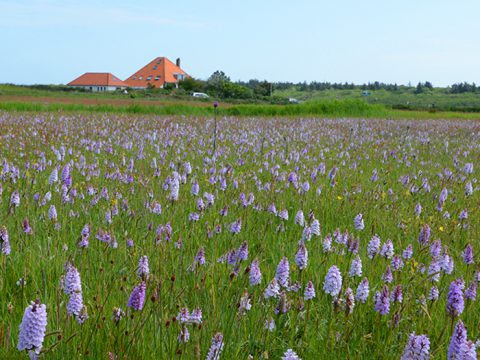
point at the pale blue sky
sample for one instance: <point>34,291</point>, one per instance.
<point>50,41</point>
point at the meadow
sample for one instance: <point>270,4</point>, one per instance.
<point>140,236</point>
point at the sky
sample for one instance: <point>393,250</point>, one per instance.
<point>392,41</point>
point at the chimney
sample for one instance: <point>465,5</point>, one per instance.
<point>178,62</point>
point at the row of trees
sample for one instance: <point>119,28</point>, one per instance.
<point>220,85</point>
<point>421,87</point>
<point>464,88</point>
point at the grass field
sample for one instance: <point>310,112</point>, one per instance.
<point>236,217</point>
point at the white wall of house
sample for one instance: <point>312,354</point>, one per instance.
<point>96,88</point>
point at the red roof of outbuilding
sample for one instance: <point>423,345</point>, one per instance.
<point>97,79</point>
<point>157,72</point>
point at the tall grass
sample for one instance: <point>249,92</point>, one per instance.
<point>329,108</point>
<point>105,108</point>
<point>333,108</point>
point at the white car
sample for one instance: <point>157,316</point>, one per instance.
<point>200,95</point>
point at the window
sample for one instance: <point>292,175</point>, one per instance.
<point>179,76</point>
<point>140,78</point>
<point>157,78</point>
<point>155,67</point>
<point>149,78</point>
<point>134,77</point>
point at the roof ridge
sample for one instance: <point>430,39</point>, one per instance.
<point>97,79</point>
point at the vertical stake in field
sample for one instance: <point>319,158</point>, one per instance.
<point>215,106</point>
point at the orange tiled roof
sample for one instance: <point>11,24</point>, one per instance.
<point>97,79</point>
<point>157,72</point>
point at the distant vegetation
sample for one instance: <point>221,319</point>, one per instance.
<point>423,96</point>
<point>459,97</point>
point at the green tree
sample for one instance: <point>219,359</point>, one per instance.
<point>263,88</point>
<point>218,78</point>
<point>419,88</point>
<point>192,85</point>
<point>216,83</point>
<point>236,91</point>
